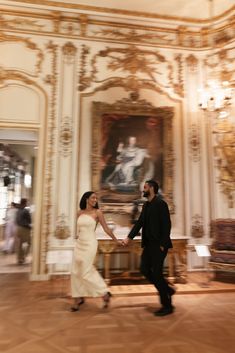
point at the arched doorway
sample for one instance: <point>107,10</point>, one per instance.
<point>18,158</point>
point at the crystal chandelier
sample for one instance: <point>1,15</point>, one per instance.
<point>216,95</point>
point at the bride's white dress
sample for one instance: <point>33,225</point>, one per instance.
<point>85,279</point>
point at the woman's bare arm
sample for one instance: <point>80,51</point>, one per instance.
<point>104,225</point>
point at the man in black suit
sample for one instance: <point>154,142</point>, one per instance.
<point>156,226</point>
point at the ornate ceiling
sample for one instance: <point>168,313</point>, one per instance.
<point>198,9</point>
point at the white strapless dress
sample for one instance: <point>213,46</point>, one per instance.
<point>85,279</point>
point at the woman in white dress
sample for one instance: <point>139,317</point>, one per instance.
<point>85,279</point>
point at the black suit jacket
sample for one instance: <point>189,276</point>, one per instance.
<point>158,221</point>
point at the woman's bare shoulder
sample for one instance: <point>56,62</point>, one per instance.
<point>99,213</point>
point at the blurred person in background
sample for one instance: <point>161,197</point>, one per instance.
<point>23,236</point>
<point>10,229</point>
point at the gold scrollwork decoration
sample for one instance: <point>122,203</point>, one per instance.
<point>50,153</point>
<point>29,44</point>
<point>147,69</point>
<point>84,80</point>
<point>69,51</point>
<point>197,230</point>
<point>83,24</point>
<point>194,142</point>
<point>13,75</point>
<point>66,135</point>
<point>62,230</point>
<point>225,157</point>
<point>134,36</point>
<point>57,19</point>
<point>133,60</point>
<point>221,65</point>
<point>19,23</point>
<point>192,63</point>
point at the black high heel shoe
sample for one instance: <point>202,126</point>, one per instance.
<point>106,299</point>
<point>76,306</point>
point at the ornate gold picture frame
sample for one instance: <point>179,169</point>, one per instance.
<point>131,143</point>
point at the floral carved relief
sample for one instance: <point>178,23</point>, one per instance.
<point>69,51</point>
<point>66,135</point>
<point>20,23</point>
<point>84,80</point>
<point>225,159</point>
<point>194,142</point>
<point>192,63</point>
<point>137,68</point>
<point>52,50</point>
<point>134,35</point>
<point>62,230</point>
<point>197,230</point>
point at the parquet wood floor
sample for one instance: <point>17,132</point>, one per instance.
<point>35,318</point>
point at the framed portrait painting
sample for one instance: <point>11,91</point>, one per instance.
<point>131,143</point>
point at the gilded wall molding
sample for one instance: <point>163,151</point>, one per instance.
<point>57,20</point>
<point>192,63</point>
<point>98,9</point>
<point>84,80</point>
<point>155,70</point>
<point>62,230</point>
<point>29,44</point>
<point>20,23</point>
<point>69,51</point>
<point>135,36</point>
<point>194,142</point>
<point>221,65</point>
<point>84,25</point>
<point>47,231</point>
<point>6,75</point>
<point>66,136</point>
<point>177,84</point>
<point>225,159</point>
<point>197,229</point>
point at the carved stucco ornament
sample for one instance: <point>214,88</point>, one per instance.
<point>62,230</point>
<point>194,141</point>
<point>192,63</point>
<point>197,230</point>
<point>225,158</point>
<point>69,51</point>
<point>66,136</point>
<point>143,68</point>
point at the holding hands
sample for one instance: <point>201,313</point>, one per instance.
<point>125,241</point>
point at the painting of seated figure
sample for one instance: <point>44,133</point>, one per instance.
<point>130,147</point>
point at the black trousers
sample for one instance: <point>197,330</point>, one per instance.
<point>152,261</point>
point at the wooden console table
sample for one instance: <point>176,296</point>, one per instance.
<point>177,257</point>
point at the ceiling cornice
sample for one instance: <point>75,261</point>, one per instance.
<point>145,15</point>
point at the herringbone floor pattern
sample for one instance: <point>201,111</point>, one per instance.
<point>36,319</point>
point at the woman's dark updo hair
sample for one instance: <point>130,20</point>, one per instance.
<point>84,198</point>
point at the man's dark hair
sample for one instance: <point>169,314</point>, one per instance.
<point>23,202</point>
<point>154,184</point>
<point>84,198</point>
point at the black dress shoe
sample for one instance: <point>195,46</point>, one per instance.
<point>164,311</point>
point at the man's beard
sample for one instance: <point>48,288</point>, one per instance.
<point>146,193</point>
